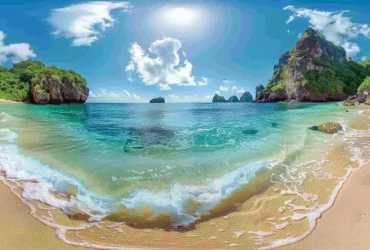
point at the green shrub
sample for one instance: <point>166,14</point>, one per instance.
<point>365,86</point>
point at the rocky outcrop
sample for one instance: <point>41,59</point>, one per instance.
<point>301,72</point>
<point>259,92</point>
<point>246,97</point>
<point>54,91</point>
<point>218,98</point>
<point>233,99</point>
<point>330,127</point>
<point>157,100</point>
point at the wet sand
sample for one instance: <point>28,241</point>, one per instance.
<point>19,230</point>
<point>346,224</point>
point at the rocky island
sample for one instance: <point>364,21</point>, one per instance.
<point>315,70</point>
<point>33,82</point>
<point>157,100</point>
<point>246,97</point>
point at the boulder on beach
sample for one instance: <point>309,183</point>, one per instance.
<point>330,127</point>
<point>348,104</point>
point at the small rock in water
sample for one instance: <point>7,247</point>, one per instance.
<point>250,131</point>
<point>314,128</point>
<point>274,124</point>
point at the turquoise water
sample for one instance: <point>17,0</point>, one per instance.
<point>179,160</point>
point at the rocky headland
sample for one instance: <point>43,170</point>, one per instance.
<point>315,70</point>
<point>32,82</point>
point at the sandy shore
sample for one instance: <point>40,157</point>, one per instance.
<point>345,225</point>
<point>3,101</point>
<point>19,230</point>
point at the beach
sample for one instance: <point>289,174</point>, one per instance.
<point>257,209</point>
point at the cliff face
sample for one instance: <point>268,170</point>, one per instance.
<point>246,97</point>
<point>31,81</point>
<point>311,71</point>
<point>54,91</point>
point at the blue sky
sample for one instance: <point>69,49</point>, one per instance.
<point>181,50</point>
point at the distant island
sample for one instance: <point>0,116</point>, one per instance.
<point>246,97</point>
<point>315,70</point>
<point>33,82</point>
<point>157,100</point>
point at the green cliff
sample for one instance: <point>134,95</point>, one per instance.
<point>314,70</point>
<point>32,81</point>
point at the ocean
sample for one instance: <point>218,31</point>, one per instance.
<point>173,166</point>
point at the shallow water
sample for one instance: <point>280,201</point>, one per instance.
<point>174,164</point>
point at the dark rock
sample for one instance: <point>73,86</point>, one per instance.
<point>157,100</point>
<point>250,131</point>
<point>259,92</point>
<point>233,99</point>
<point>314,128</point>
<point>274,124</point>
<point>218,98</point>
<point>246,97</point>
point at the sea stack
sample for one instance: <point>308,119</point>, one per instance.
<point>233,99</point>
<point>246,97</point>
<point>157,100</point>
<point>218,98</point>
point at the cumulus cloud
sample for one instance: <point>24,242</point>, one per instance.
<point>186,98</point>
<point>224,88</point>
<point>337,27</point>
<point>15,52</point>
<point>241,90</point>
<point>217,92</point>
<point>165,68</point>
<point>84,23</point>
<point>208,97</point>
<point>113,96</point>
<point>363,58</point>
<point>203,82</point>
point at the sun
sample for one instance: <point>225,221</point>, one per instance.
<point>180,16</point>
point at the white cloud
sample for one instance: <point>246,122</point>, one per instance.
<point>15,52</point>
<point>113,96</point>
<point>217,92</point>
<point>225,81</point>
<point>337,27</point>
<point>300,35</point>
<point>203,82</point>
<point>85,22</point>
<point>208,97</point>
<point>172,96</point>
<point>224,88</point>
<point>234,88</point>
<point>363,58</point>
<point>288,31</point>
<point>241,90</point>
<point>165,69</point>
